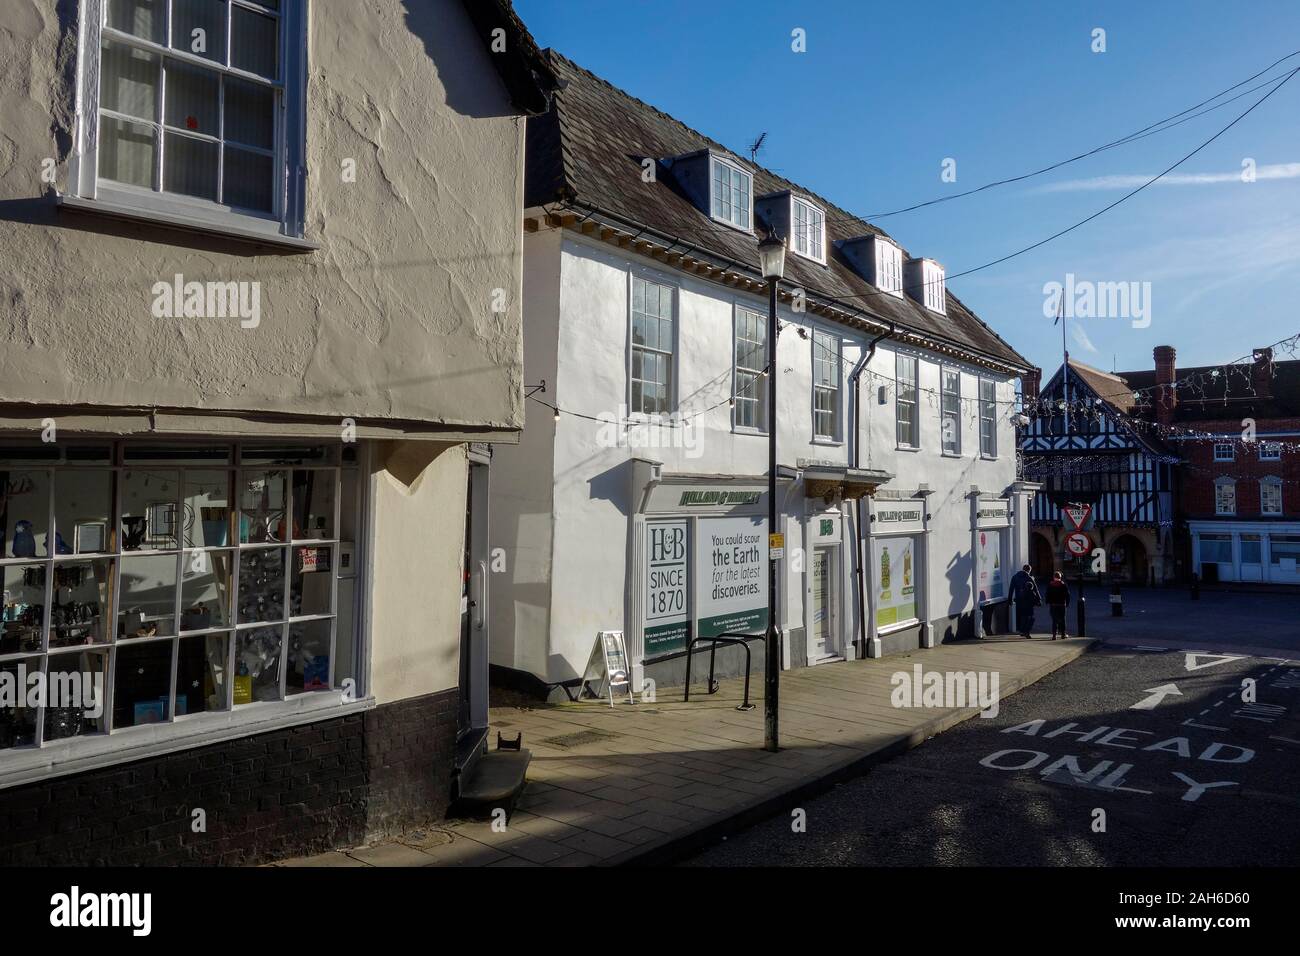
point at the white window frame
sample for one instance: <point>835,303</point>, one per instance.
<point>946,396</point>
<point>1273,449</point>
<point>988,412</point>
<point>808,238</point>
<point>835,362</point>
<point>715,162</point>
<point>757,366</point>
<point>55,758</point>
<point>914,384</point>
<point>1221,455</point>
<point>1219,496</point>
<point>889,267</point>
<point>933,291</point>
<point>88,191</point>
<point>652,278</point>
<point>1270,482</point>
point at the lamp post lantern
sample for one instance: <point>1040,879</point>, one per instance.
<point>771,256</point>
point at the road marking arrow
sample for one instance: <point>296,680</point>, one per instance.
<point>1157,695</point>
<point>1191,664</point>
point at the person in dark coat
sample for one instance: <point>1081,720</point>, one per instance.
<point>1058,599</point>
<point>1024,592</point>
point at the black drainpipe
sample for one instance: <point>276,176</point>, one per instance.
<point>856,379</point>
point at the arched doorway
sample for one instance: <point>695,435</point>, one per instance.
<point>1126,559</point>
<point>1042,555</point>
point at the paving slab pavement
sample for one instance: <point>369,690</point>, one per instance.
<point>647,783</point>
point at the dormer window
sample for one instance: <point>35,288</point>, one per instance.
<point>934,298</point>
<point>732,189</point>
<point>808,237</point>
<point>924,281</point>
<point>889,268</point>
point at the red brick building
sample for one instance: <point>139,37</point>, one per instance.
<point>1228,509</point>
<point>1237,430</point>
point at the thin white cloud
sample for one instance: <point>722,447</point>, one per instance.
<point>1081,338</point>
<point>1101,183</point>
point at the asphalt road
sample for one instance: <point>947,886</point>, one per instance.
<point>1024,788</point>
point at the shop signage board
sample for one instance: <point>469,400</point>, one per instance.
<point>667,576</point>
<point>990,581</point>
<point>895,580</point>
<point>608,664</point>
<point>730,575</point>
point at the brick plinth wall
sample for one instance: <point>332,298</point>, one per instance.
<point>289,792</point>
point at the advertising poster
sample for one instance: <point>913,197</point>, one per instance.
<point>667,616</point>
<point>991,585</point>
<point>731,575</point>
<point>895,581</point>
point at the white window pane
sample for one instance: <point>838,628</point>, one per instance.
<point>254,42</point>
<point>128,81</point>
<point>190,167</point>
<point>127,152</point>
<point>193,99</point>
<point>146,19</point>
<point>208,16</point>
<point>249,180</point>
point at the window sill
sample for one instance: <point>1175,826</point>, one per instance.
<point>952,454</point>
<point>827,442</point>
<point>79,754</point>
<point>117,209</point>
<point>742,430</point>
<point>988,457</point>
<point>907,447</point>
<point>745,230</point>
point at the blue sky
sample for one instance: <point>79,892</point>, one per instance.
<point>886,92</point>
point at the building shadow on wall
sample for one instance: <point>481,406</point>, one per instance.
<point>452,39</point>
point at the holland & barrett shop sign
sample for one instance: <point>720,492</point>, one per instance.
<point>703,576</point>
<point>731,575</point>
<point>667,615</point>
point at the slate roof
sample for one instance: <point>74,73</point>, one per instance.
<point>1109,386</point>
<point>522,67</point>
<point>588,149</point>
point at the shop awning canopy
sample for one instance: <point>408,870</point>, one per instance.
<point>823,478</point>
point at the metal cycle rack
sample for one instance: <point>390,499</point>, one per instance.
<point>726,637</point>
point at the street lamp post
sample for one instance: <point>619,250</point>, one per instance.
<point>771,255</point>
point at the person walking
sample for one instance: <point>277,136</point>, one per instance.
<point>1058,599</point>
<point>1024,592</point>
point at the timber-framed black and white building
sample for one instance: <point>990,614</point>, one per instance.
<point>1081,446</point>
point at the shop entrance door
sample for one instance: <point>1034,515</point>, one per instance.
<point>473,715</point>
<point>824,626</point>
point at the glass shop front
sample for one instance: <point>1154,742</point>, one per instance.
<point>169,582</point>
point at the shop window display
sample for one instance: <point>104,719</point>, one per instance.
<point>195,578</point>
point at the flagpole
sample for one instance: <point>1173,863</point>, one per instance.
<point>1065,361</point>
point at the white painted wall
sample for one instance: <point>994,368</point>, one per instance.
<point>418,539</point>
<point>587,312</point>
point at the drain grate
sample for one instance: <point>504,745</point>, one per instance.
<point>565,741</point>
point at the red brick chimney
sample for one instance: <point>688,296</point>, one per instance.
<point>1166,395</point>
<point>1261,375</point>
<point>1029,385</point>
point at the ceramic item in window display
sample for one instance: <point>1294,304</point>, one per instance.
<point>61,546</point>
<point>24,540</point>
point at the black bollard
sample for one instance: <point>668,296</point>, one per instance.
<point>1116,599</point>
<point>1196,587</point>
